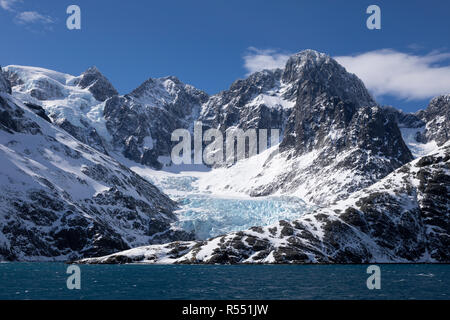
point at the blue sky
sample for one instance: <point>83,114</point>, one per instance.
<point>211,43</point>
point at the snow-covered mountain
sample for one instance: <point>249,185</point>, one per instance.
<point>141,123</point>
<point>61,199</point>
<point>404,217</point>
<point>138,125</point>
<point>336,141</point>
<point>339,152</point>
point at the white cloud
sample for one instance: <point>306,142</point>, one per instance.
<point>27,17</point>
<point>256,59</point>
<point>8,4</point>
<point>403,75</point>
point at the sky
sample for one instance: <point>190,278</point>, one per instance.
<point>211,43</point>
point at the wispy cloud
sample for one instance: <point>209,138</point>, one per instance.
<point>384,72</point>
<point>33,17</point>
<point>257,59</point>
<point>403,75</point>
<point>30,19</point>
<point>8,4</point>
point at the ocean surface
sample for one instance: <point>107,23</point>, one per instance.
<point>48,281</point>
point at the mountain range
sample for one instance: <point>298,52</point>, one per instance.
<point>377,177</point>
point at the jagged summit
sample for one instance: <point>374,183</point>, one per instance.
<point>141,122</point>
<point>268,96</point>
<point>318,73</point>
<point>164,90</point>
<point>302,60</point>
<point>92,69</point>
<point>438,106</point>
<point>97,83</point>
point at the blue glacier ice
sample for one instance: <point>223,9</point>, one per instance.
<point>209,215</point>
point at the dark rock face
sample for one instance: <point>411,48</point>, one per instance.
<point>5,85</point>
<point>296,95</point>
<point>64,200</point>
<point>39,111</point>
<point>402,218</point>
<point>98,84</point>
<point>437,118</point>
<point>240,107</point>
<point>141,123</point>
<point>85,134</point>
<point>12,119</point>
<point>316,74</point>
<point>327,99</point>
<point>405,120</point>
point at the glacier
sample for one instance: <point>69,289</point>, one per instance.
<point>209,214</point>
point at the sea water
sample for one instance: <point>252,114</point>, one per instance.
<point>48,281</point>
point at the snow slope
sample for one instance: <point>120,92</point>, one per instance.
<point>418,149</point>
<point>73,103</point>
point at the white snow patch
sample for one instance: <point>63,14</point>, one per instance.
<point>418,149</point>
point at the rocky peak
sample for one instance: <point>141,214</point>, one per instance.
<point>97,83</point>
<point>336,122</point>
<point>317,74</point>
<point>438,107</point>
<point>164,91</point>
<point>328,99</point>
<point>309,78</point>
<point>304,60</point>
<point>437,118</point>
<point>142,121</point>
<point>5,85</point>
<point>257,82</point>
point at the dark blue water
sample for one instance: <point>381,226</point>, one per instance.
<point>48,281</point>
